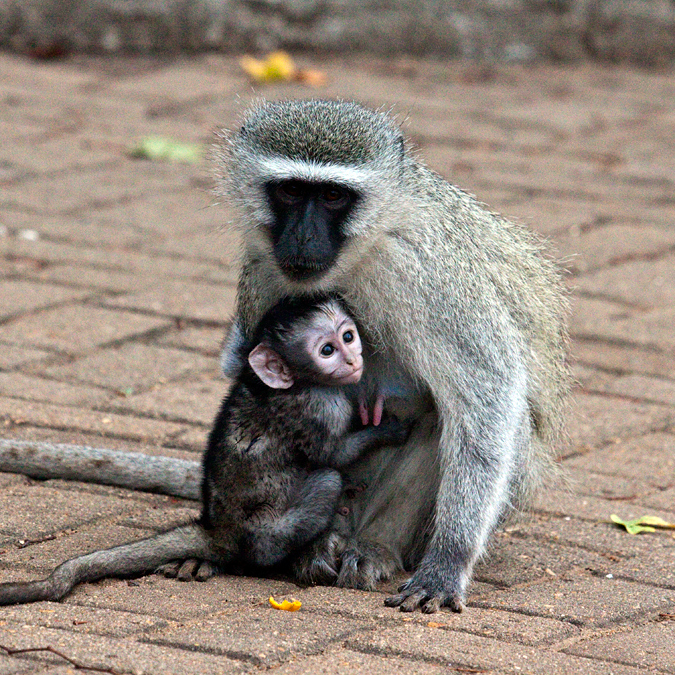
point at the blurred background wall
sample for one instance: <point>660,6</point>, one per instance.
<point>632,31</point>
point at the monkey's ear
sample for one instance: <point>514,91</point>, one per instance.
<point>270,367</point>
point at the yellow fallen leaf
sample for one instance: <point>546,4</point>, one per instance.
<point>276,66</point>
<point>286,605</point>
<point>642,524</point>
<point>280,67</point>
<point>435,624</point>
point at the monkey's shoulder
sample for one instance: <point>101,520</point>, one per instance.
<point>277,428</point>
<point>297,422</point>
<point>292,411</point>
<point>329,408</point>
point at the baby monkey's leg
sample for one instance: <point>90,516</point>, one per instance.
<point>273,538</point>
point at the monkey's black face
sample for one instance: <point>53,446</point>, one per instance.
<point>308,226</point>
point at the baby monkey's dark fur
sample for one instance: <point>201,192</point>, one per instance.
<point>270,481</point>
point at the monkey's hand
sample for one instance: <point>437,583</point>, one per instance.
<point>394,431</point>
<point>378,409</point>
<point>429,589</point>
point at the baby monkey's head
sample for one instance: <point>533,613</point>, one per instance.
<point>307,340</point>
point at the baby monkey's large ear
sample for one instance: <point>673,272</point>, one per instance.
<point>270,367</point>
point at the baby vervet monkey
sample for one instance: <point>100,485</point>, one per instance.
<point>286,428</point>
<point>271,483</point>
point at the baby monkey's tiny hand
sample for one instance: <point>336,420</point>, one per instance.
<point>394,430</point>
<point>378,410</point>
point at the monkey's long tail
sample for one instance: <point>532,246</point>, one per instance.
<point>189,541</point>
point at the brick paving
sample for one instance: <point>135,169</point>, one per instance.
<point>117,277</point>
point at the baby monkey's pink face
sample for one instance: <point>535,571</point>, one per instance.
<point>334,346</point>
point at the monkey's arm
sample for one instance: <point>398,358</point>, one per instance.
<point>256,293</point>
<point>470,355</point>
<point>132,559</point>
<point>347,449</point>
<point>484,429</point>
<point>270,539</point>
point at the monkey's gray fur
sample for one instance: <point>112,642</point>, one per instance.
<point>451,297</point>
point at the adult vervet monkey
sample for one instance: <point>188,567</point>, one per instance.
<point>450,297</point>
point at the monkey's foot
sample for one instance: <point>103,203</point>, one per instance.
<point>188,570</point>
<point>364,565</point>
<point>427,592</point>
<point>318,563</point>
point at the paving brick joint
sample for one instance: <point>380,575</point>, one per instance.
<point>117,277</point>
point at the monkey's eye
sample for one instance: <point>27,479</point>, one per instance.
<point>334,197</point>
<point>289,191</point>
<point>327,349</point>
<point>348,336</point>
<point>332,194</point>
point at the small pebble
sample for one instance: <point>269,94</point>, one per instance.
<point>29,235</point>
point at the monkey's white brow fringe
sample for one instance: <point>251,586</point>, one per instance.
<point>166,475</point>
<point>282,167</point>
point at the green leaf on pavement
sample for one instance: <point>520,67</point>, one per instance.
<point>657,522</point>
<point>642,524</point>
<point>156,148</point>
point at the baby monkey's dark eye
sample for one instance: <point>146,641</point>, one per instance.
<point>348,336</point>
<point>327,349</point>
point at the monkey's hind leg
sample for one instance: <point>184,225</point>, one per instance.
<point>271,539</point>
<point>126,560</point>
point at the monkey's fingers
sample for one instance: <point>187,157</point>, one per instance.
<point>363,411</point>
<point>188,569</point>
<point>322,569</point>
<point>419,600</point>
<point>205,571</point>
<point>412,596</point>
<point>431,606</point>
<point>395,600</point>
<point>414,601</point>
<point>347,577</point>
<point>317,565</point>
<point>371,573</point>
<point>360,570</point>
<point>170,570</point>
<point>378,410</point>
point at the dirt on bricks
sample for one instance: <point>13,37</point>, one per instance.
<point>118,275</point>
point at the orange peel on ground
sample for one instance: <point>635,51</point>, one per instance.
<point>286,605</point>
